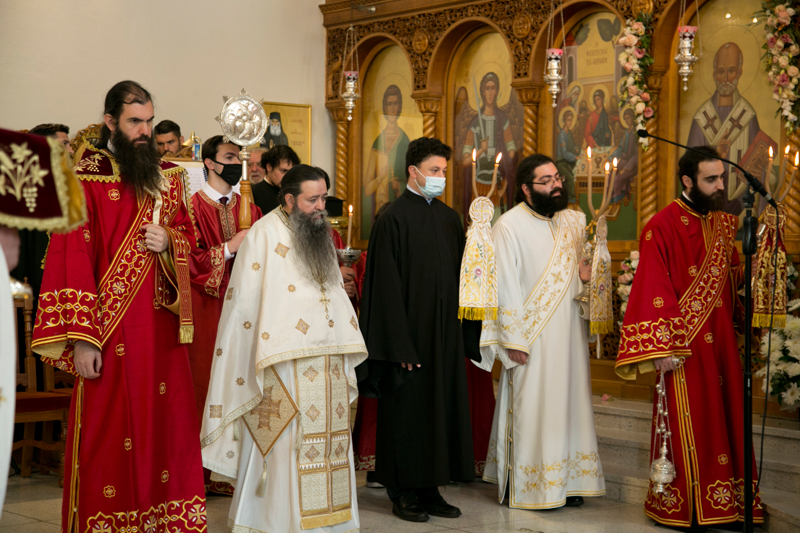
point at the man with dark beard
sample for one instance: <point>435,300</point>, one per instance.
<point>107,314</point>
<point>680,323</point>
<point>543,414</point>
<point>277,417</point>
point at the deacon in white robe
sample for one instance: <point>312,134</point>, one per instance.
<point>9,240</point>
<point>277,418</point>
<point>543,438</point>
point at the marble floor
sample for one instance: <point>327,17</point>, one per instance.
<point>33,505</point>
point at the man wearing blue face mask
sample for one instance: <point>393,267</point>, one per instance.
<point>416,344</point>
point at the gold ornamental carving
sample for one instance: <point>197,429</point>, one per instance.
<point>420,42</point>
<point>642,6</point>
<point>339,115</point>
<point>648,161</point>
<point>522,25</point>
<point>429,107</point>
<point>530,97</point>
<point>792,199</point>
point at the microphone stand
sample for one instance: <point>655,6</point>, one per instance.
<point>749,248</point>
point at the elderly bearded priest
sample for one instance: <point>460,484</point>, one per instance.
<point>133,460</point>
<point>277,419</point>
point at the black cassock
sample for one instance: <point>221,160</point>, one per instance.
<point>409,314</point>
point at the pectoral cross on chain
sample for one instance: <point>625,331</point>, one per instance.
<point>324,301</point>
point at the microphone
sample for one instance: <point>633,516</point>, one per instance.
<point>754,183</point>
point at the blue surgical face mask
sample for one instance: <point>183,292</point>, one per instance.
<point>434,186</point>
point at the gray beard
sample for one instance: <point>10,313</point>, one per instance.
<point>727,88</point>
<point>275,130</point>
<point>313,246</point>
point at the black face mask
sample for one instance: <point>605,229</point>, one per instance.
<point>231,172</point>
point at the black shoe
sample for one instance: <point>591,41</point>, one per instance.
<point>407,507</point>
<point>436,506</point>
<point>574,501</point>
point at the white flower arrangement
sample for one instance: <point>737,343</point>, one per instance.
<point>636,60</point>
<point>625,281</point>
<point>781,60</point>
<point>784,357</point>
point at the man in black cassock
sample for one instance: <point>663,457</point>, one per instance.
<point>409,319</point>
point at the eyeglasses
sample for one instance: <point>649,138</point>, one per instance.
<point>548,181</point>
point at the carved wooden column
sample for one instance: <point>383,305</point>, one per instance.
<point>339,115</point>
<point>792,200</point>
<point>530,98</point>
<point>648,162</point>
<point>429,107</point>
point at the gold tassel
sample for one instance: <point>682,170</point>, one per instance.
<point>761,320</point>
<point>187,334</point>
<point>601,328</point>
<point>300,435</point>
<point>477,313</point>
<point>262,484</point>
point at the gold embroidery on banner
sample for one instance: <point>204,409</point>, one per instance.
<point>265,336</point>
<point>109,491</point>
<point>240,381</point>
<point>164,476</point>
<point>648,235</point>
<point>281,250</point>
<point>215,411</point>
<point>658,302</point>
<point>128,444</point>
<point>87,235</point>
<point>120,350</point>
<point>113,195</point>
<point>179,515</point>
<point>354,323</point>
<point>291,288</point>
<point>22,176</point>
<point>302,327</point>
<point>722,459</point>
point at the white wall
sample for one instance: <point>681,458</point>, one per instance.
<point>59,58</point>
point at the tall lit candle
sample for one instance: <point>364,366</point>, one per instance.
<point>350,227</point>
<point>589,198</point>
<point>765,174</point>
<point>496,164</point>
<point>794,170</point>
<point>605,183</point>
<point>474,174</point>
<point>782,174</point>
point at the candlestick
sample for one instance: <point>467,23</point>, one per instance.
<point>349,226</point>
<point>589,199</point>
<point>605,184</point>
<point>613,176</point>
<point>785,158</point>
<point>765,174</point>
<point>494,175</point>
<point>474,174</point>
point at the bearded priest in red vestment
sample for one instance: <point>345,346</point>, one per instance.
<point>115,310</point>
<point>682,307</point>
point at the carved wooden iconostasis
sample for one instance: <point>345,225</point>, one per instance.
<point>428,66</point>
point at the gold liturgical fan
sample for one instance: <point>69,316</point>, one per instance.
<point>244,123</point>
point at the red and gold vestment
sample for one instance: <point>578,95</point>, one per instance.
<point>133,455</point>
<point>683,304</point>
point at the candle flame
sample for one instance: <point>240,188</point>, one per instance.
<point>797,158</point>
<point>473,155</point>
<point>788,147</point>
<point>770,152</point>
<point>498,158</point>
<point>615,163</point>
<point>351,209</point>
<point>607,167</point>
<point>589,152</point>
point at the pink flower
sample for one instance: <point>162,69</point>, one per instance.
<point>646,96</point>
<point>771,41</point>
<point>627,66</point>
<point>639,52</point>
<point>478,272</point>
<point>633,90</point>
<point>606,397</point>
<point>783,61</point>
<point>638,27</point>
<point>648,112</point>
<point>625,279</point>
<point>784,17</point>
<point>629,40</point>
<point>793,71</point>
<point>783,79</point>
<point>786,38</point>
<point>634,254</point>
<point>626,266</point>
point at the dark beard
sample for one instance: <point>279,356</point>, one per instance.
<point>313,245</point>
<point>705,202</point>
<point>138,163</point>
<point>548,205</point>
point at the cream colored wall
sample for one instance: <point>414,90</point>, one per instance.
<point>59,58</point>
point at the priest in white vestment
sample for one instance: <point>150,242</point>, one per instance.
<point>9,242</point>
<point>543,444</point>
<point>277,418</point>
